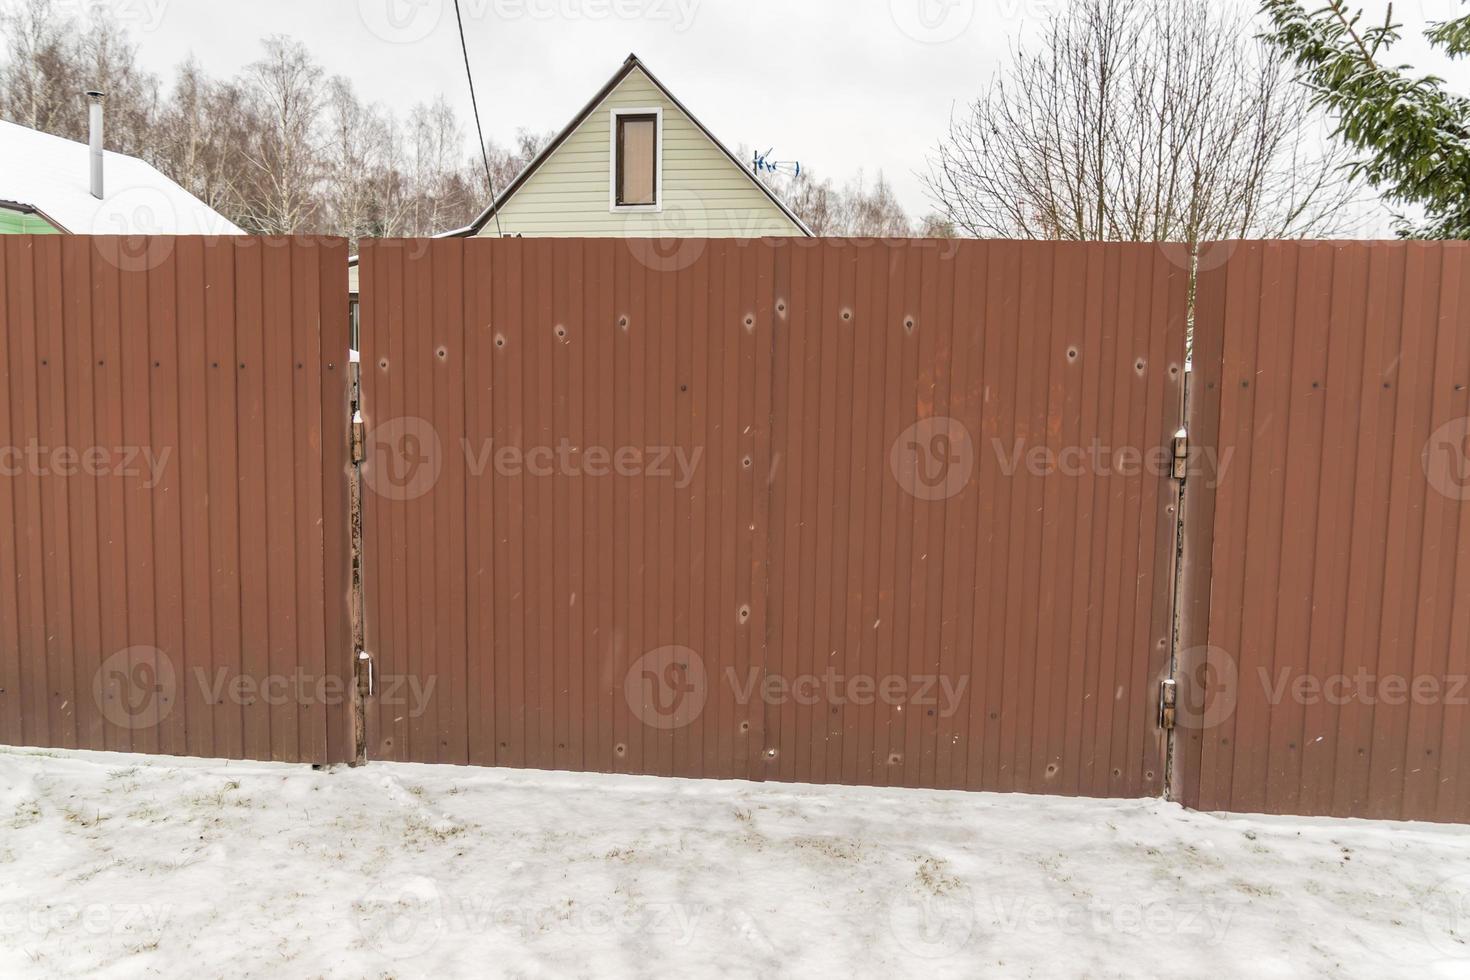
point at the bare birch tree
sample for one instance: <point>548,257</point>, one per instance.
<point>41,74</point>
<point>448,187</point>
<point>50,60</point>
<point>360,184</point>
<point>1143,120</point>
<point>197,139</point>
<point>284,143</point>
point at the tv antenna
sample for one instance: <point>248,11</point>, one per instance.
<point>763,164</point>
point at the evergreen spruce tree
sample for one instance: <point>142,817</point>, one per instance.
<point>1412,131</point>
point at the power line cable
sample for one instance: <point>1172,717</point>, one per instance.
<point>474,104</point>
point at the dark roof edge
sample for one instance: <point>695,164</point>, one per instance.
<point>24,208</point>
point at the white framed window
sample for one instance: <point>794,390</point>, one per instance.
<point>636,159</point>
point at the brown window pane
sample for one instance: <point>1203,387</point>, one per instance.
<point>637,159</point>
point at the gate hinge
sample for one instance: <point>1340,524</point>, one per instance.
<point>1168,701</point>
<point>357,438</point>
<point>1181,453</point>
<point>367,681</point>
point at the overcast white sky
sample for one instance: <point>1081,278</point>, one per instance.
<point>840,85</point>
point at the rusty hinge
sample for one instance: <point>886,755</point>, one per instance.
<point>1168,701</point>
<point>357,439</point>
<point>1181,453</point>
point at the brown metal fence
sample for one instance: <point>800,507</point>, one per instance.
<point>1325,640</point>
<point>829,511</point>
<point>173,520</point>
<point>835,511</point>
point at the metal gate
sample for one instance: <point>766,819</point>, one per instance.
<point>837,511</point>
<point>1325,645</point>
<point>173,505</point>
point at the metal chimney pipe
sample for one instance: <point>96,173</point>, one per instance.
<point>95,110</point>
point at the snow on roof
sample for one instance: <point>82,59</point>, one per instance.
<point>52,175</point>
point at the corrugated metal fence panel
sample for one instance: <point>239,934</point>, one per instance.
<point>1024,580</point>
<point>1327,615</point>
<point>172,540</point>
<point>787,598</point>
<point>505,609</point>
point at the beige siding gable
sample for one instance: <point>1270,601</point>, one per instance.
<point>705,193</point>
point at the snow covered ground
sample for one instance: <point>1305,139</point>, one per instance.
<point>124,866</point>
